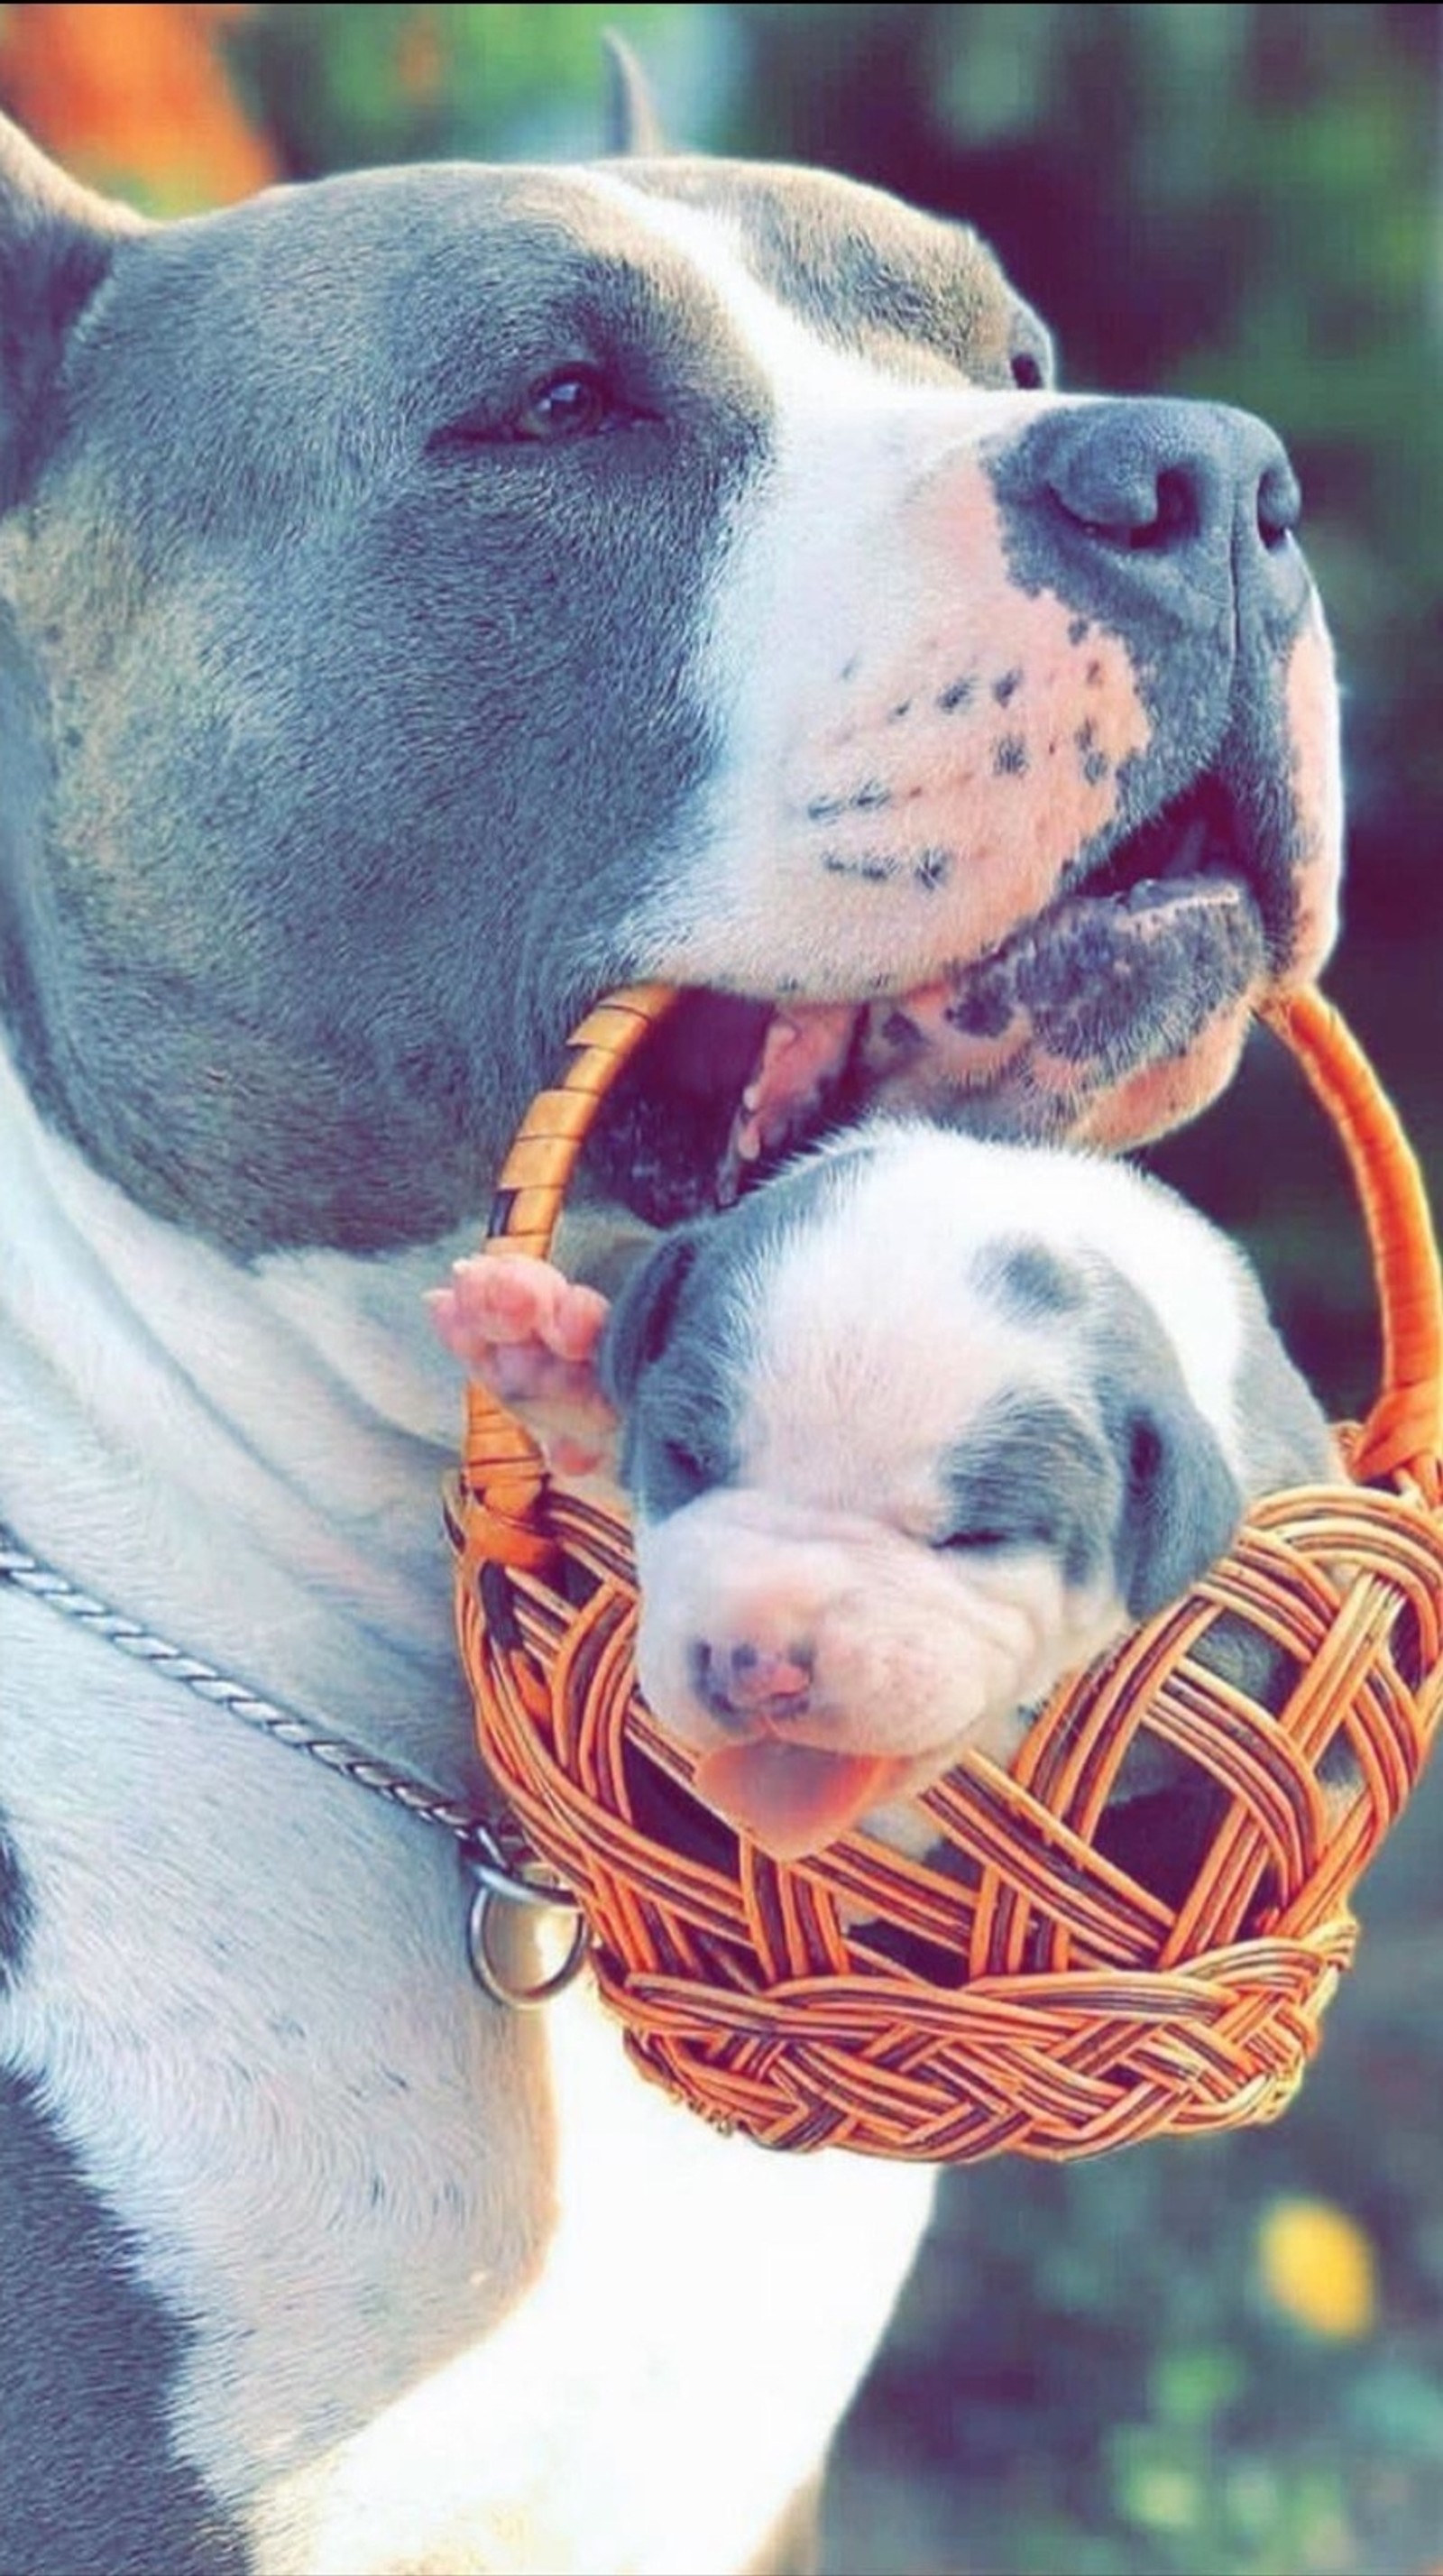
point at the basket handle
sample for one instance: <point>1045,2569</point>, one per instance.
<point>1403,1431</point>
<point>502,1467</point>
<point>533,1181</point>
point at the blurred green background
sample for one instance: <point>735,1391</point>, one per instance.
<point>1200,2360</point>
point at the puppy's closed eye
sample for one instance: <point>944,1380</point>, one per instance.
<point>1030,1474</point>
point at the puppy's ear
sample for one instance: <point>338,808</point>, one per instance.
<point>641,1318</point>
<point>633,127</point>
<point>56,244</point>
<point>1181,1500</point>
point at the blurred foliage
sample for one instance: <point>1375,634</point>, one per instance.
<point>396,83</point>
<point>135,99</point>
<point>1216,2358</point>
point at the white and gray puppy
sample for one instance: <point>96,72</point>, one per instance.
<point>919,1426</point>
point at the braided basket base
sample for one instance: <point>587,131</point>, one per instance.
<point>1017,1990</point>
<point>1025,1986</point>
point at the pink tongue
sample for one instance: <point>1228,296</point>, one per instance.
<point>792,1798</point>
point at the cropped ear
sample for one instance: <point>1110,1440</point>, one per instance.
<point>639,1324</point>
<point>1181,1500</point>
<point>633,127</point>
<point>56,242</point>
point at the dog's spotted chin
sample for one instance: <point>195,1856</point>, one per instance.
<point>1113,1015</point>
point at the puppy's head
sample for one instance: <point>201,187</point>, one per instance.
<point>907,1438</point>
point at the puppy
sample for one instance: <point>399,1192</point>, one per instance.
<point>919,1426</point>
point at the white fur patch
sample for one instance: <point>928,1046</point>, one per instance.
<point>833,562</point>
<point>896,1339</point>
<point>460,2292</point>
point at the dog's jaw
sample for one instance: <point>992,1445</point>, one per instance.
<point>961,806</point>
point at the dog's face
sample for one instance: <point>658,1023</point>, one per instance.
<point>915,1429</point>
<point>432,597</point>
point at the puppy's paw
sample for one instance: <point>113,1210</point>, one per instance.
<point>530,1335</point>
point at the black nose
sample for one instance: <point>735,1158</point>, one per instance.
<point>1181,500</point>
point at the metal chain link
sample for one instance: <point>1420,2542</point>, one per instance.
<point>499,1875</point>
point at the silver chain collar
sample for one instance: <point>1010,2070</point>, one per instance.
<point>495,1875</point>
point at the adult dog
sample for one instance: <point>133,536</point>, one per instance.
<point>427,599</point>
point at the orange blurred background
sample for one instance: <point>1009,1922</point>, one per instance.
<point>136,92</point>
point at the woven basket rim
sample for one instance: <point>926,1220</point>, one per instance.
<point>1402,1431</point>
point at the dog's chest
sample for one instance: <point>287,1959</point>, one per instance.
<point>699,2321</point>
<point>461,2291</point>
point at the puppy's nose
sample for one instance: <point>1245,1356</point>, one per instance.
<point>750,1682</point>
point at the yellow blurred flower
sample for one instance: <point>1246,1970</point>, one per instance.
<point>1317,2266</point>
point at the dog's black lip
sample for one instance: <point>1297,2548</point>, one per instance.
<point>1194,848</point>
<point>1195,836</point>
<point>663,1134</point>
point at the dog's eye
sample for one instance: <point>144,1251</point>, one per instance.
<point>1027,372</point>
<point>976,1542</point>
<point>576,402</point>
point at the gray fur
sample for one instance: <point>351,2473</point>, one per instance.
<point>1030,1472</point>
<point>669,1363</point>
<point>674,1356</point>
<point>290,635</point>
<point>927,295</point>
<point>16,1911</point>
<point>1181,1503</point>
<point>281,485</point>
<point>86,2472</point>
<point>1033,1283</point>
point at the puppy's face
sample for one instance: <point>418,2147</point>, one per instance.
<point>906,1440</point>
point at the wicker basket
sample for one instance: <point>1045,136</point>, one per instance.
<point>1030,1993</point>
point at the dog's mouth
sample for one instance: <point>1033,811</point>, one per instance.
<point>1137,961</point>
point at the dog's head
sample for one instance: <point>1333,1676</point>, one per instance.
<point>433,596</point>
<point>911,1432</point>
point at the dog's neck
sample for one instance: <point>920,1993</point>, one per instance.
<point>163,1409</point>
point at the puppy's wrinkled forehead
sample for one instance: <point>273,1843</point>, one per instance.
<point>883,1329</point>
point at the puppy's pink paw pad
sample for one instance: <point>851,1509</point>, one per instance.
<point>513,1303</point>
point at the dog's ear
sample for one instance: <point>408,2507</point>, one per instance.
<point>56,243</point>
<point>1181,1501</point>
<point>641,1318</point>
<point>633,127</point>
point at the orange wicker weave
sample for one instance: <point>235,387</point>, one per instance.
<point>1031,1995</point>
